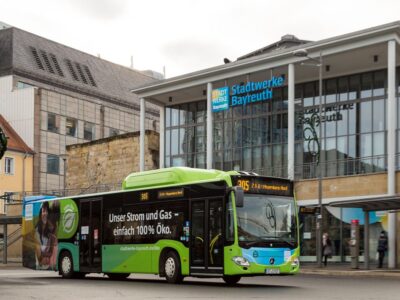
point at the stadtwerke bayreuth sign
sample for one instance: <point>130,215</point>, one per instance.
<point>243,94</point>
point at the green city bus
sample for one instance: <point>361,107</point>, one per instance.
<point>174,222</point>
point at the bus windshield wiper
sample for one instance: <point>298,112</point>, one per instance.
<point>289,242</point>
<point>248,244</point>
<point>268,242</point>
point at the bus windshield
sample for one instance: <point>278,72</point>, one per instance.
<point>267,221</point>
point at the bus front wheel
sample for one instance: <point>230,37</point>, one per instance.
<point>172,268</point>
<point>231,279</point>
<point>66,265</point>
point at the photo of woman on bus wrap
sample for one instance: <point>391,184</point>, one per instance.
<point>45,235</point>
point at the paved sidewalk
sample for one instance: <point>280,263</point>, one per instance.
<point>12,264</point>
<point>336,269</point>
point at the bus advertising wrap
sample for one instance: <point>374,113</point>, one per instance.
<point>45,223</point>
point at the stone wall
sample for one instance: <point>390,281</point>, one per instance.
<point>108,161</point>
<point>361,185</point>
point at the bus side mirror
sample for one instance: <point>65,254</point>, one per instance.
<point>239,196</point>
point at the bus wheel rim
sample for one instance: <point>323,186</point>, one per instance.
<point>66,265</point>
<point>170,267</point>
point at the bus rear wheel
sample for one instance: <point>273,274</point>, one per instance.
<point>231,279</point>
<point>172,268</point>
<point>65,265</point>
<point>118,276</point>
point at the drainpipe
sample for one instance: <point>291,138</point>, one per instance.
<point>23,174</point>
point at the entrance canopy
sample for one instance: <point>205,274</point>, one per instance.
<point>342,54</point>
<point>371,204</point>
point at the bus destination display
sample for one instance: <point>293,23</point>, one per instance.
<point>264,185</point>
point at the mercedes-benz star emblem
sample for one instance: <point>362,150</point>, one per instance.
<point>272,260</point>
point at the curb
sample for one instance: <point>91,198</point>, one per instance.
<point>358,273</point>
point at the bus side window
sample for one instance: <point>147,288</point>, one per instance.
<point>229,228</point>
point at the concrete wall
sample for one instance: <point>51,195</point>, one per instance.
<point>17,106</point>
<point>109,160</point>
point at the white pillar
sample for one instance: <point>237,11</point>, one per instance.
<point>142,133</point>
<point>162,137</point>
<point>291,128</point>
<point>210,133</point>
<point>391,147</point>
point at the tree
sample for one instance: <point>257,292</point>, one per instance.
<point>3,143</point>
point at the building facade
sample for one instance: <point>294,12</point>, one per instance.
<point>16,177</point>
<point>298,109</point>
<point>54,96</point>
<point>16,167</point>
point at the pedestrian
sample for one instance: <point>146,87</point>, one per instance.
<point>326,248</point>
<point>382,247</point>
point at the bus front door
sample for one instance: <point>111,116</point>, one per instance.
<point>90,236</point>
<point>206,242</point>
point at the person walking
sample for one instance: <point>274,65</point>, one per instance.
<point>326,248</point>
<point>382,247</point>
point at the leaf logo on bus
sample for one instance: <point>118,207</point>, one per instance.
<point>68,220</point>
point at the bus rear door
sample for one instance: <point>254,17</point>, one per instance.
<point>206,239</point>
<point>90,235</point>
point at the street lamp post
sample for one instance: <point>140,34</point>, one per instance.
<point>304,53</point>
<point>64,158</point>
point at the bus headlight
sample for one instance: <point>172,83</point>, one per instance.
<point>295,262</point>
<point>241,261</point>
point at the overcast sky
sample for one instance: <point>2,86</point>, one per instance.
<point>189,35</point>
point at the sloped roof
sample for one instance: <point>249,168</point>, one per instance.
<point>15,142</point>
<point>28,55</point>
<point>286,41</point>
<point>220,72</point>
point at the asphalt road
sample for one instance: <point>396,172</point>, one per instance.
<point>26,284</point>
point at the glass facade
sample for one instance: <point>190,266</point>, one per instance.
<point>185,135</point>
<point>336,223</point>
<point>353,126</point>
<point>254,137</point>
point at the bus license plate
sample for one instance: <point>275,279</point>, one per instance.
<point>272,271</point>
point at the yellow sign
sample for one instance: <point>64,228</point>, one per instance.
<point>144,196</point>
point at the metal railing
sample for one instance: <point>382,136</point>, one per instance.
<point>12,238</point>
<point>334,168</point>
<point>342,167</point>
<point>95,188</point>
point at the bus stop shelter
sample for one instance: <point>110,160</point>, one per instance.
<point>386,203</point>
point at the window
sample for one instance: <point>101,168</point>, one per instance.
<point>52,122</point>
<point>22,85</point>
<point>113,132</point>
<point>88,132</point>
<point>71,127</point>
<point>9,165</point>
<point>53,164</point>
